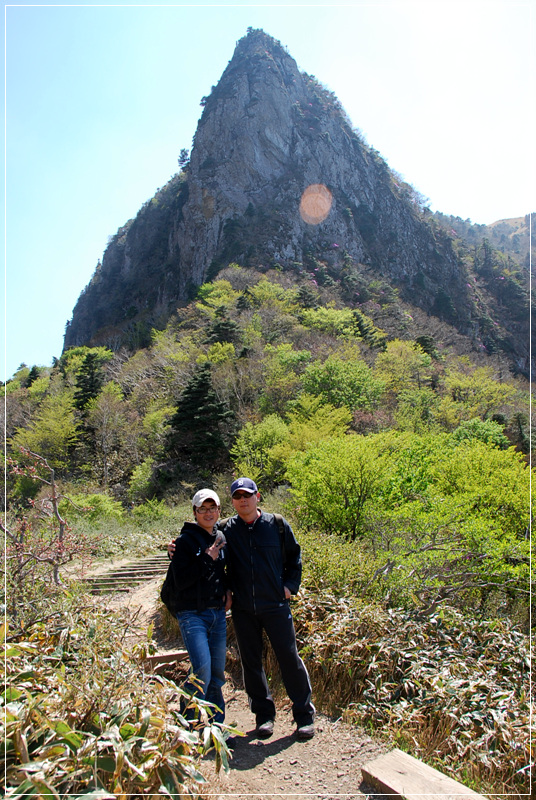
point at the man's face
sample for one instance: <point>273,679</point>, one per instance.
<point>245,504</point>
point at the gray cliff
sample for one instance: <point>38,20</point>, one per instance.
<point>267,132</point>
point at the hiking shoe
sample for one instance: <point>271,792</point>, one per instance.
<point>265,729</point>
<point>304,732</point>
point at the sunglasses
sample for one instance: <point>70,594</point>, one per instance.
<point>240,495</point>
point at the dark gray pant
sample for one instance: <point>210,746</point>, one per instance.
<point>279,628</point>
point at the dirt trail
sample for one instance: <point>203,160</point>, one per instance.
<point>327,767</point>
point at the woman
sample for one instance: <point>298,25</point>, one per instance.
<point>198,565</point>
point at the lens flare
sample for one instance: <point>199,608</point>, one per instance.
<point>315,203</point>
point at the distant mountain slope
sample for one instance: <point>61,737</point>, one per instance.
<point>267,134</point>
<point>510,236</point>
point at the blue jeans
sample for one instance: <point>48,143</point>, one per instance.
<point>204,636</point>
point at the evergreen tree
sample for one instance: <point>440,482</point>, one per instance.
<point>89,381</point>
<point>198,423</point>
<point>224,329</point>
<point>32,376</point>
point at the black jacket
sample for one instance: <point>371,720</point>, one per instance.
<point>200,581</point>
<point>259,564</point>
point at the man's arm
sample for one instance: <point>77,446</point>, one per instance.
<point>292,563</point>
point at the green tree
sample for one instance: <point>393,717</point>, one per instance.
<point>155,429</point>
<point>343,382</point>
<point>367,331</point>
<point>487,431</point>
<point>417,409</point>
<point>141,480</point>
<point>197,427</point>
<point>223,329</point>
<point>106,419</point>
<point>282,367</point>
<point>333,482</point>
<point>403,366</point>
<point>335,321</point>
<point>309,420</point>
<point>478,392</point>
<point>72,360</point>
<point>251,450</point>
<point>89,380</point>
<point>32,375</point>
<point>53,432</point>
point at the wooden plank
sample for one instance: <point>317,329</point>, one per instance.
<point>406,778</point>
<point>167,658</point>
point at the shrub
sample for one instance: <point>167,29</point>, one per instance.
<point>333,480</point>
<point>140,483</point>
<point>150,511</point>
<point>93,507</point>
<point>83,716</point>
<point>487,431</point>
<point>451,689</point>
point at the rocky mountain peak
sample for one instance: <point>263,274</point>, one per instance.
<point>277,176</point>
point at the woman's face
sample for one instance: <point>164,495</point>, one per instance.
<point>206,515</point>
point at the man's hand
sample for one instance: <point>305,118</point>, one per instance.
<point>228,599</point>
<point>288,593</point>
<point>171,548</point>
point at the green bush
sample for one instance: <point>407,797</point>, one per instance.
<point>487,431</point>
<point>140,483</point>
<point>333,481</point>
<point>92,507</point>
<point>346,382</point>
<point>150,511</point>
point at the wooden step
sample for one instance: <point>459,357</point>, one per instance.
<point>403,777</point>
<point>161,661</point>
<point>108,589</point>
<point>129,576</point>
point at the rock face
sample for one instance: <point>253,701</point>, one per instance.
<point>267,133</point>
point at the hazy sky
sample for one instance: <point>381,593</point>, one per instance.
<point>100,99</point>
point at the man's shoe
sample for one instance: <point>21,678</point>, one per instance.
<point>304,732</point>
<point>265,729</point>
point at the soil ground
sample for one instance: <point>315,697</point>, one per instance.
<point>327,767</point>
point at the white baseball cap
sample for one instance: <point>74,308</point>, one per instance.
<point>204,494</point>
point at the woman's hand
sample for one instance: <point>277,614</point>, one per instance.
<point>214,550</point>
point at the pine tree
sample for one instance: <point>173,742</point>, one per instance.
<point>197,427</point>
<point>88,381</point>
<point>224,329</point>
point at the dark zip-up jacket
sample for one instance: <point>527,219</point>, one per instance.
<point>258,566</point>
<point>200,581</point>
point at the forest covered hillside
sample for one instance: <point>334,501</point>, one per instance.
<point>402,464</point>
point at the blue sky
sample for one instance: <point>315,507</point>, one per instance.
<point>100,99</point>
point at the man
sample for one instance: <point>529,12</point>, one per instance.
<point>264,570</point>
